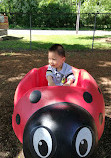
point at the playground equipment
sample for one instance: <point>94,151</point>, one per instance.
<point>58,121</point>
<point>3,25</point>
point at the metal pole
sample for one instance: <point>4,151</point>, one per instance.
<point>78,17</point>
<point>30,32</point>
<point>94,31</point>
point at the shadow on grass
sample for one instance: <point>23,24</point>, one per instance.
<point>26,45</point>
<point>85,44</point>
<point>6,38</point>
<point>17,65</point>
<point>96,37</point>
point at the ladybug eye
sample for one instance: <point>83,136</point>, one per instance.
<point>84,142</point>
<point>42,142</point>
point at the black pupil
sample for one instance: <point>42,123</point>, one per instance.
<point>83,147</point>
<point>43,148</point>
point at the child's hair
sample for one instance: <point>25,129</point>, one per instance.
<point>57,48</point>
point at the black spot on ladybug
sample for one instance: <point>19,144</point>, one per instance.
<point>87,97</point>
<point>18,119</point>
<point>35,96</point>
<point>99,90</point>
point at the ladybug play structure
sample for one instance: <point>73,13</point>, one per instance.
<point>58,121</point>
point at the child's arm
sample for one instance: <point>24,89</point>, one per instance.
<point>50,81</point>
<point>69,82</point>
<point>70,77</point>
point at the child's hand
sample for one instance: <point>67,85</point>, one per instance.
<point>66,84</point>
<point>50,81</point>
<point>69,82</point>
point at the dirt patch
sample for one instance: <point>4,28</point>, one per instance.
<point>108,40</point>
<point>14,65</point>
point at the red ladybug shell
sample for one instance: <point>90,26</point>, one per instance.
<point>85,86</point>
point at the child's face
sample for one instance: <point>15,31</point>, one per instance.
<point>55,60</point>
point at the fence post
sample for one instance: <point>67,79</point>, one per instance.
<point>78,17</point>
<point>94,30</point>
<point>30,32</point>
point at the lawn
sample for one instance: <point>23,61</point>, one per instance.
<point>70,42</point>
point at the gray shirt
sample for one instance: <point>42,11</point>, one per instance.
<point>60,77</point>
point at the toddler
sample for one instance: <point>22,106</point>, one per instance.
<point>58,73</point>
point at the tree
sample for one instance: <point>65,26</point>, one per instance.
<point>95,6</point>
<point>23,6</point>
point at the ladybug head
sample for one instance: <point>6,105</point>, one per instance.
<point>61,130</point>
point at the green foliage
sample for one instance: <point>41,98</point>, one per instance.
<point>96,6</point>
<point>44,14</point>
<point>56,14</point>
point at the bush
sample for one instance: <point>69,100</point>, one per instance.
<point>55,15</point>
<point>103,21</point>
<point>52,15</point>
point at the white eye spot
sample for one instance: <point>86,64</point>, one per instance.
<point>84,142</point>
<point>42,142</point>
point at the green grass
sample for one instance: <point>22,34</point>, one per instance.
<point>70,42</point>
